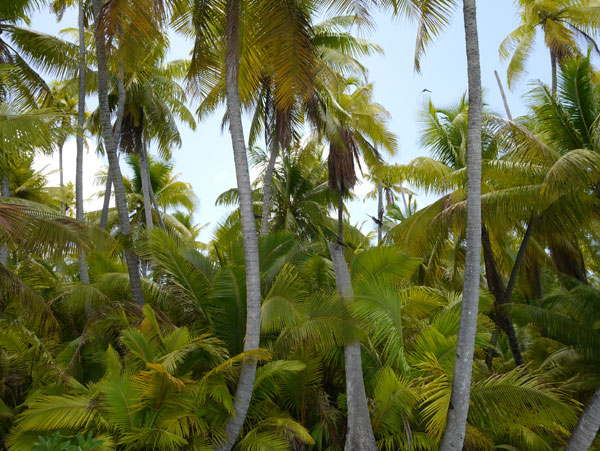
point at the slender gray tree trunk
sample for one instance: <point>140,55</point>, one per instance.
<point>264,222</point>
<point>83,269</point>
<point>454,434</point>
<point>111,151</point>
<point>61,173</point>
<point>554,62</point>
<point>245,386</point>
<point>116,137</point>
<point>145,176</point>
<point>379,212</point>
<point>503,94</point>
<point>5,192</point>
<point>158,214</point>
<point>587,427</point>
<point>404,201</point>
<point>359,435</point>
<point>106,204</point>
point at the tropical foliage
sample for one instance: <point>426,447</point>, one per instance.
<point>292,327</point>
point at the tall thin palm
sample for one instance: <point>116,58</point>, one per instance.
<point>563,23</point>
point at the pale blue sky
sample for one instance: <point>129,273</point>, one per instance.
<point>205,159</point>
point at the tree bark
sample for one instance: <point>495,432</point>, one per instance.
<point>106,204</point>
<point>496,287</point>
<point>145,178</point>
<point>5,192</point>
<point>158,215</point>
<point>264,222</point>
<point>454,434</point>
<point>359,435</point>
<point>340,218</point>
<point>111,151</point>
<point>379,212</point>
<point>245,386</point>
<point>503,94</point>
<point>61,174</point>
<point>116,137</point>
<point>83,269</point>
<point>554,62</point>
<point>587,427</point>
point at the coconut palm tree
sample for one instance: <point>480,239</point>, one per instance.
<point>562,23</point>
<point>111,149</point>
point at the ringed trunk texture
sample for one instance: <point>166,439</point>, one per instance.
<point>83,269</point>
<point>587,427</point>
<point>454,434</point>
<point>245,386</point>
<point>359,436</point>
<point>111,151</point>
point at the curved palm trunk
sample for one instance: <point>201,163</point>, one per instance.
<point>111,151</point>
<point>245,386</point>
<point>145,176</point>
<point>587,427</point>
<point>454,434</point>
<point>5,192</point>
<point>360,433</point>
<point>83,269</point>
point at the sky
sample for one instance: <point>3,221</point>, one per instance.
<point>205,158</point>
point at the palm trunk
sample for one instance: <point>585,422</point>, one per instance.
<point>111,151</point>
<point>245,386</point>
<point>554,62</point>
<point>5,192</point>
<point>340,219</point>
<point>406,206</point>
<point>379,212</point>
<point>116,137</point>
<point>503,94</point>
<point>106,204</point>
<point>158,215</point>
<point>61,174</point>
<point>264,222</point>
<point>454,434</point>
<point>360,433</point>
<point>496,287</point>
<point>145,176</point>
<point>587,427</point>
<point>83,269</point>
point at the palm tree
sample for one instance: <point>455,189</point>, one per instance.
<point>563,22</point>
<point>359,129</point>
<point>83,270</point>
<point>454,433</point>
<point>111,149</point>
<point>153,103</point>
<point>243,392</point>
